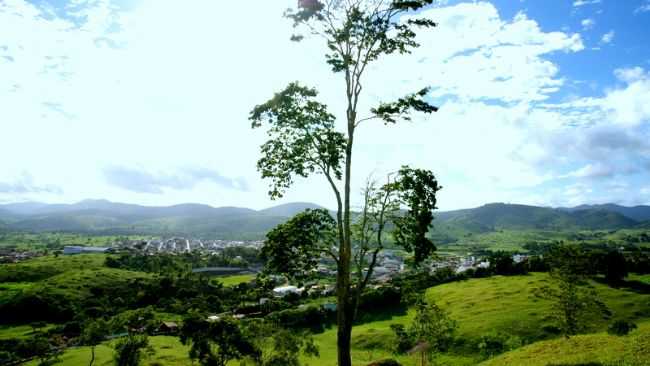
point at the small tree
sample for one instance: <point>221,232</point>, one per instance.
<point>432,326</point>
<point>573,300</point>
<point>278,346</point>
<point>215,343</point>
<point>41,347</point>
<point>93,333</point>
<point>304,140</point>
<point>130,350</point>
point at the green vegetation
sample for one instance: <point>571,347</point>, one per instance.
<point>495,305</point>
<point>589,349</point>
<point>235,280</point>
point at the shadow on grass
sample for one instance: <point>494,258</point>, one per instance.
<point>380,315</point>
<point>633,285</point>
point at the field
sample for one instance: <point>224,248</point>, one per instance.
<point>56,241</point>
<point>496,305</point>
<point>235,279</point>
<point>591,349</point>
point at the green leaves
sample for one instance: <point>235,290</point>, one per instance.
<point>295,247</point>
<point>302,138</point>
<point>412,4</point>
<point>392,112</point>
<point>215,343</point>
<point>416,190</point>
<point>360,32</point>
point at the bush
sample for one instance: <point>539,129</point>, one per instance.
<point>497,343</point>
<point>404,341</point>
<point>381,298</point>
<point>388,362</point>
<point>621,328</point>
<point>310,317</point>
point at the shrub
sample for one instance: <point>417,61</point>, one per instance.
<point>497,343</point>
<point>389,362</point>
<point>621,328</point>
<point>404,341</point>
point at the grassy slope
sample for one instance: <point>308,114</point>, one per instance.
<point>168,351</point>
<point>480,306</point>
<point>42,268</point>
<point>600,348</point>
<point>235,280</point>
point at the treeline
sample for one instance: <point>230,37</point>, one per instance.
<point>171,263</point>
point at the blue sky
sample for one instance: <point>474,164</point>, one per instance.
<point>146,101</point>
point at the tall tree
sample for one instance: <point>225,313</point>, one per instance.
<point>304,140</point>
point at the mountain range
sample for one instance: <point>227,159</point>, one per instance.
<point>105,217</point>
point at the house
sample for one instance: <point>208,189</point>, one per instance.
<point>168,328</point>
<point>518,258</point>
<point>70,250</point>
<point>286,290</point>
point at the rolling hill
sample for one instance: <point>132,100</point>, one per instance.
<point>105,217</point>
<point>637,213</point>
<point>497,216</point>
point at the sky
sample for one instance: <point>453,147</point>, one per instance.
<point>147,101</point>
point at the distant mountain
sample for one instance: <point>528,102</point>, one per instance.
<point>497,216</point>
<point>289,209</point>
<point>105,217</point>
<point>638,213</point>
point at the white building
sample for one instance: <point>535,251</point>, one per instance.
<point>286,290</point>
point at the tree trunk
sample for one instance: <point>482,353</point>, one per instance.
<point>92,353</point>
<point>345,311</point>
<point>344,331</point>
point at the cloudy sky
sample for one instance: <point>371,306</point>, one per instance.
<point>147,101</point>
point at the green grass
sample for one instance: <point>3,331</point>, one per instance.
<point>41,268</point>
<point>480,306</point>
<point>600,348</point>
<point>235,280</point>
<point>76,285</point>
<point>640,278</point>
<point>53,241</point>
<point>168,351</point>
<point>19,332</point>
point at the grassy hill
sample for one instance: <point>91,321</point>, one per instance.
<point>499,216</point>
<point>638,213</point>
<point>591,349</point>
<point>480,306</point>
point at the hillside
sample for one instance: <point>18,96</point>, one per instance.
<point>499,216</point>
<point>503,305</point>
<point>589,349</point>
<point>105,217</point>
<point>637,213</point>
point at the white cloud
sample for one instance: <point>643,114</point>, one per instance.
<point>579,3</point>
<point>588,23</point>
<point>592,171</point>
<point>643,8</point>
<point>163,86</point>
<point>608,37</point>
<point>631,75</point>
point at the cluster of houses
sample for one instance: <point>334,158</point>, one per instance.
<point>182,245</point>
<point>71,250</point>
<point>15,256</point>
